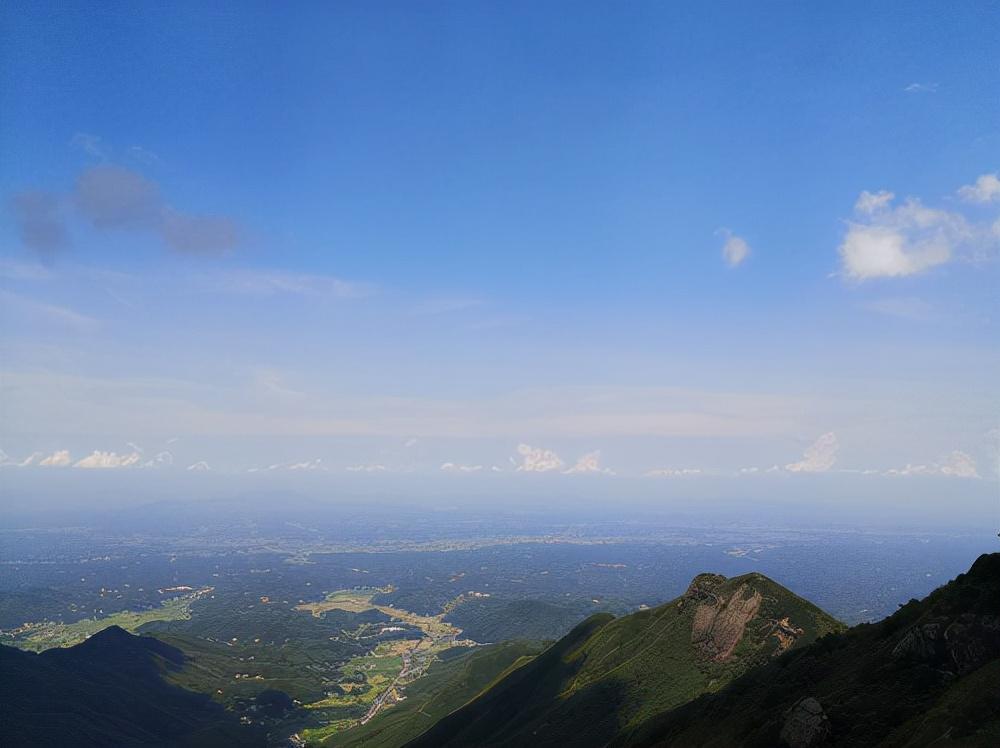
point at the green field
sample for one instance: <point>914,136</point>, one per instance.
<point>37,637</point>
<point>450,682</point>
<point>375,681</point>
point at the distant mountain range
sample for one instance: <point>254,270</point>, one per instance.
<point>731,662</point>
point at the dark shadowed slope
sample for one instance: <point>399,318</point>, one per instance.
<point>609,675</point>
<point>107,691</point>
<point>929,675</point>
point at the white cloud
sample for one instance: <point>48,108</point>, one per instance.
<point>589,463</point>
<point>735,249</point>
<point>918,88</point>
<point>59,458</point>
<point>108,460</point>
<point>759,470</point>
<point>316,464</point>
<point>7,461</point>
<point>366,468</point>
<point>142,155</point>
<point>956,465</point>
<point>537,460</point>
<point>451,467</point>
<point>672,472</point>
<point>960,465</point>
<point>890,242</point>
<point>819,457</point>
<point>986,189</point>
<point>160,460</point>
<point>869,203</point>
<point>893,241</point>
<point>199,467</point>
<point>295,466</point>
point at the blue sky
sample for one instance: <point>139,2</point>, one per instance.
<point>679,240</point>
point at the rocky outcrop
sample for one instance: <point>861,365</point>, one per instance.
<point>720,622</point>
<point>786,633</point>
<point>806,725</point>
<point>953,645</point>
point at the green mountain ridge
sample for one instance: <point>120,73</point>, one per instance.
<point>609,675</point>
<point>108,690</point>
<point>927,675</point>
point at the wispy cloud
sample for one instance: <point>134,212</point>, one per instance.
<point>589,464</point>
<point>142,155</point>
<point>735,249</point>
<point>452,467</point>
<point>53,314</point>
<point>92,145</point>
<point>31,271</point>
<point>955,465</point>
<point>275,282</point>
<point>672,472</point>
<point>919,88</point>
<point>369,468</point>
<point>819,457</point>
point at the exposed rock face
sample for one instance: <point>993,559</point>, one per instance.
<point>954,645</point>
<point>806,725</point>
<point>719,623</point>
<point>786,633</point>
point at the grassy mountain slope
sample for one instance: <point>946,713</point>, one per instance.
<point>609,675</point>
<point>926,675</point>
<point>448,684</point>
<point>108,690</point>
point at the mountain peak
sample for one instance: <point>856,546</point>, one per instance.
<point>642,663</point>
<point>986,567</point>
<point>115,647</point>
